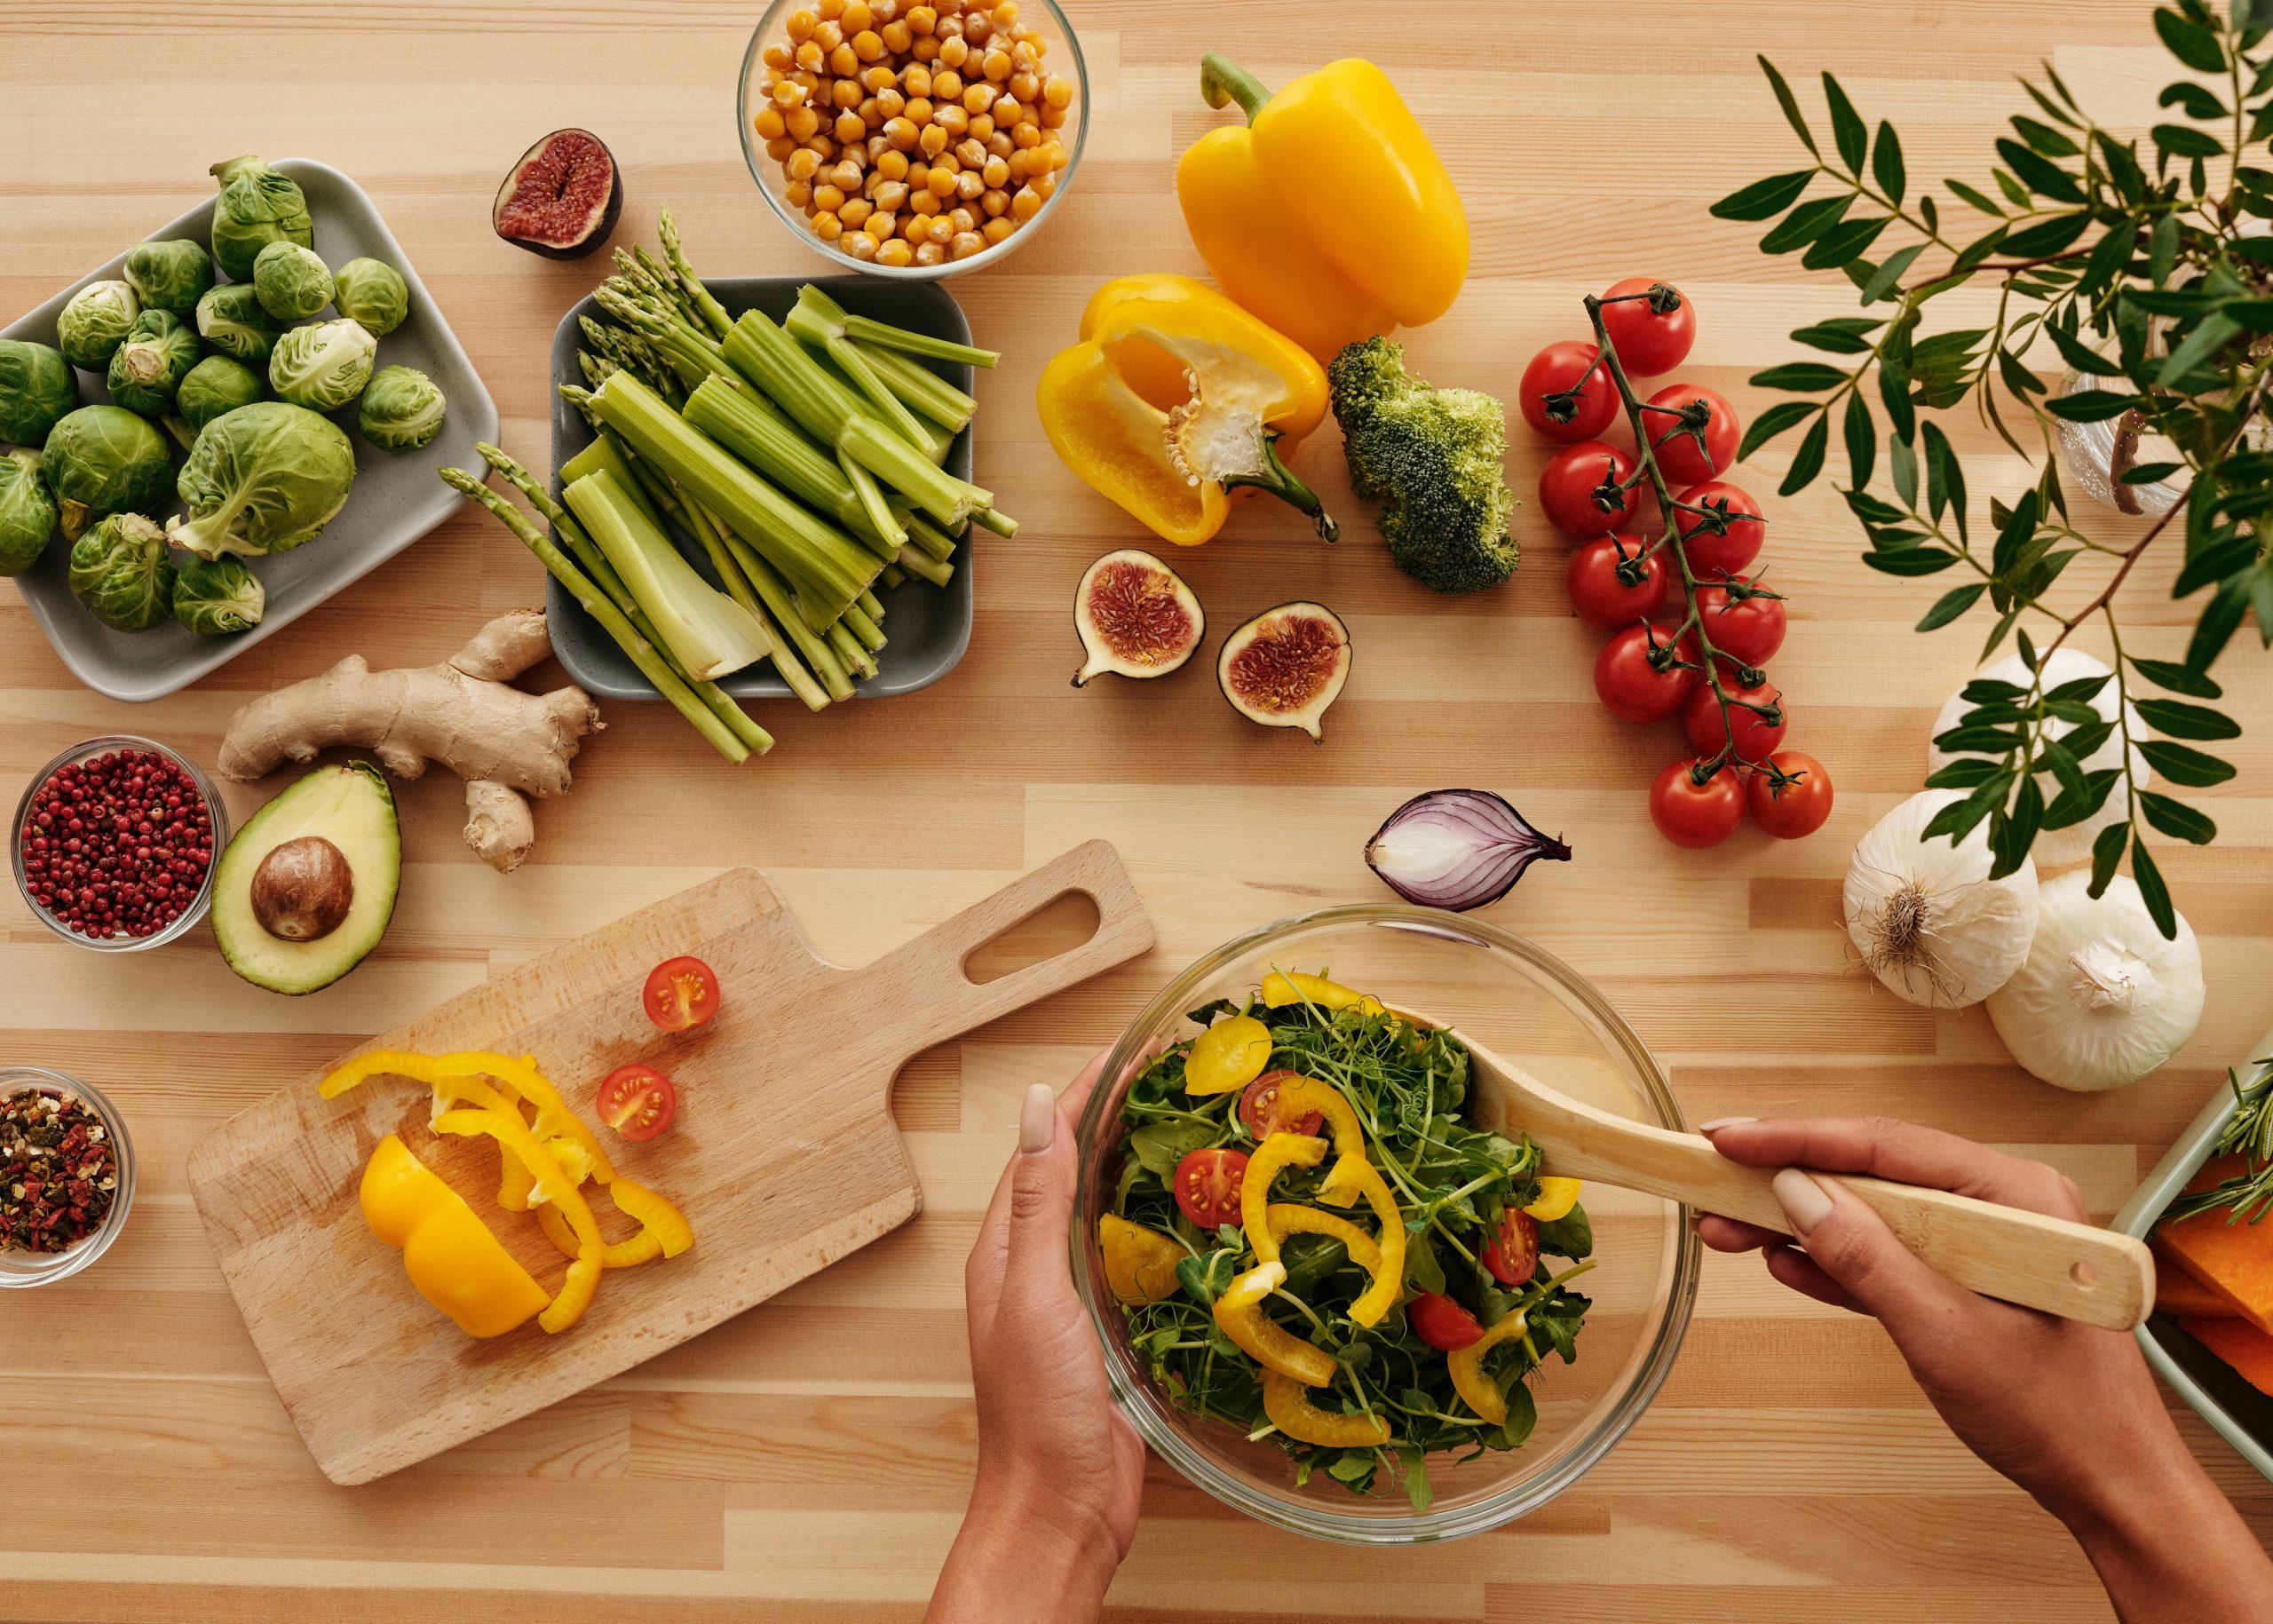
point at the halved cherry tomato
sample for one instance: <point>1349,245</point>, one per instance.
<point>1599,598</point>
<point>681,993</point>
<point>1677,454</point>
<point>1796,807</point>
<point>639,1102</point>
<point>1261,1110</point>
<point>1206,1186</point>
<point>1442,1323</point>
<point>1514,1252</point>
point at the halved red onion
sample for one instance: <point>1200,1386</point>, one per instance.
<point>1457,849</point>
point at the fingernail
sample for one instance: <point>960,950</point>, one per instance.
<point>1038,1119</point>
<point>1803,1200</point>
<point>1719,1123</point>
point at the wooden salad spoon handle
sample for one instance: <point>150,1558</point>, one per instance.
<point>2075,1270</point>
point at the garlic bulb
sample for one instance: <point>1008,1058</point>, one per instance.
<point>2104,999</point>
<point>1925,915</point>
<point>2057,848</point>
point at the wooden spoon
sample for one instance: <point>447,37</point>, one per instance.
<point>2071,1269</point>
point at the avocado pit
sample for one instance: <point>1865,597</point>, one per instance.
<point>303,889</point>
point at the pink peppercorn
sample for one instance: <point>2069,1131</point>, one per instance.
<point>117,845</point>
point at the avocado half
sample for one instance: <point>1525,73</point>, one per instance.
<point>350,806</point>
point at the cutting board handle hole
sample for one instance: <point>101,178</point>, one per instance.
<point>2084,1275</point>
<point>1057,928</point>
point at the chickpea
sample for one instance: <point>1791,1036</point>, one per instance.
<point>868,46</point>
<point>916,80</point>
<point>802,123</point>
<point>788,95</point>
<point>919,109</point>
<point>840,93</point>
<point>939,229</point>
<point>889,196</point>
<point>878,79</point>
<point>845,60</point>
<point>969,185</point>
<point>1057,91</point>
<point>802,165</point>
<point>882,12</point>
<point>828,35</point>
<point>962,219</point>
<point>891,163</point>
<point>995,172</point>
<point>922,203</point>
<point>1026,202</point>
<point>925,49</point>
<point>848,126</point>
<point>915,228</point>
<point>1050,117</point>
<point>995,231</point>
<point>996,65</point>
<point>982,128</point>
<point>970,153</point>
<point>855,212</point>
<point>1025,55</point>
<point>978,28</point>
<point>934,141</point>
<point>942,182</point>
<point>963,244</point>
<point>800,23</point>
<point>921,19</point>
<point>859,244</point>
<point>846,176</point>
<point>857,16</point>
<point>797,195</point>
<point>1006,13</point>
<point>884,227</point>
<point>890,103</point>
<point>1007,112</point>
<point>780,148</point>
<point>871,116</point>
<point>1001,146</point>
<point>1025,86</point>
<point>826,226</point>
<point>929,253</point>
<point>950,26</point>
<point>808,83</point>
<point>830,10</point>
<point>897,38</point>
<point>1043,185</point>
<point>902,133</point>
<point>895,253</point>
<point>821,147</point>
<point>811,56</point>
<point>777,56</point>
<point>767,122</point>
<point>954,52</point>
<point>1026,36</point>
<point>994,203</point>
<point>952,119</point>
<point>828,198</point>
<point>947,84</point>
<point>978,97</point>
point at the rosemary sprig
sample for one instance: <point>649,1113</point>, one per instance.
<point>2250,1131</point>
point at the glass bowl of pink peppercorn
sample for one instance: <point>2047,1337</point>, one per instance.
<point>114,843</point>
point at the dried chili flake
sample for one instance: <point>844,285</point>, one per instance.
<point>59,1171</point>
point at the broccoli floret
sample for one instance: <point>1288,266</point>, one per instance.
<point>1434,458</point>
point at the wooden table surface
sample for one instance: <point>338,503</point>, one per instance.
<point>810,1460</point>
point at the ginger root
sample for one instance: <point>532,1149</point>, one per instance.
<point>504,743</point>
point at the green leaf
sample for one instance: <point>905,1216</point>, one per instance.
<point>1910,561</point>
<point>1974,252</point>
<point>2220,620</point>
<point>1805,223</point>
<point>2040,175</point>
<point>1800,377</point>
<point>1808,460</point>
<point>2108,258</point>
<point>1764,199</point>
<point>1862,441</point>
<point>1894,393</point>
<point>2182,763</point>
<point>2176,819</point>
<point>1841,336</point>
<point>1888,275</point>
<point>2175,719</point>
<point>2151,473</point>
<point>2015,192</point>
<point>2122,166</point>
<point>2023,382</point>
<point>1952,604</point>
<point>2196,99</point>
<point>2185,141</point>
<point>2162,250</point>
<point>2178,678</point>
<point>1966,773</point>
<point>1846,126</point>
<point>2074,352</point>
<point>2191,43</point>
<point>2212,334</point>
<point>2049,236</point>
<point>1842,243</point>
<point>1785,100</point>
<point>2107,853</point>
<point>2091,405</point>
<point>1886,164</point>
<point>1777,418</point>
<point>1904,462</point>
<point>2015,532</point>
<point>1944,478</point>
<point>1973,198</point>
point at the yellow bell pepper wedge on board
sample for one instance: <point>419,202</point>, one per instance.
<point>1174,469</point>
<point>1272,1158</point>
<point>1238,1313</point>
<point>1328,215</point>
<point>1378,1298</point>
<point>549,1184</point>
<point>453,1260</point>
<point>1556,1197</point>
<point>1139,1263</point>
<point>1289,1406</point>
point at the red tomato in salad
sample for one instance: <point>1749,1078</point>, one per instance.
<point>639,1102</point>
<point>1647,342</point>
<point>1599,598</point>
<point>1749,630</point>
<point>1795,809</point>
<point>1261,1110</point>
<point>1693,815</point>
<point>1568,483</point>
<point>1513,1253</point>
<point>1206,1186</point>
<point>681,993</point>
<point>1754,736</point>
<point>1725,551</point>
<point>1678,456</point>
<point>1442,1323</point>
<point>1633,690</point>
<point>1555,369</point>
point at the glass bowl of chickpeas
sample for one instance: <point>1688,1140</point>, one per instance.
<point>915,140</point>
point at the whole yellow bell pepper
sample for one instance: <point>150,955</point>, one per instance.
<point>1328,214</point>
<point>1139,1263</point>
<point>454,1261</point>
<point>1272,1158</point>
<point>1289,1407</point>
<point>1239,1314</point>
<point>1173,456</point>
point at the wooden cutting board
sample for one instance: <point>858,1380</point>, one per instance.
<point>784,1157</point>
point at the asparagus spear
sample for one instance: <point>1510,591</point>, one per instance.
<point>711,310</point>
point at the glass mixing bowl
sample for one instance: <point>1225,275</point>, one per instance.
<point>1531,1008</point>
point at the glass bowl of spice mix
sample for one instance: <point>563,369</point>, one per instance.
<point>114,843</point>
<point>66,1175</point>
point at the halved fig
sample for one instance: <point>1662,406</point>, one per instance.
<point>1285,666</point>
<point>1136,617</point>
<point>562,198</point>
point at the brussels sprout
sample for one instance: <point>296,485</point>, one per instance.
<point>213,597</point>
<point>323,366</point>
<point>27,513</point>
<point>172,274</point>
<point>403,410</point>
<point>91,328</point>
<point>102,460</point>
<point>231,319</point>
<point>374,294</point>
<point>120,571</point>
<point>37,389</point>
<point>291,282</point>
<point>262,479</point>
<point>215,384</point>
<point>256,207</point>
<point>147,369</point>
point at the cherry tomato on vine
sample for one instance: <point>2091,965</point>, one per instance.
<point>1698,816</point>
<point>1647,342</point>
<point>1555,369</point>
<point>1755,737</point>
<point>1206,1186</point>
<point>1749,630</point>
<point>1568,483</point>
<point>1599,598</point>
<point>1723,552</point>
<point>639,1102</point>
<point>1513,1254</point>
<point>1261,1109</point>
<point>1678,456</point>
<point>1792,802</point>
<point>1442,1323</point>
<point>680,993</point>
<point>1630,687</point>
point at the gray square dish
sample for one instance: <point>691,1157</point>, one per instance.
<point>926,627</point>
<point>396,498</point>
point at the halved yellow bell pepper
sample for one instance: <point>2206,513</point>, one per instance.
<point>1239,1313</point>
<point>1328,214</point>
<point>453,1260</point>
<point>1285,1218</point>
<point>1479,1390</point>
<point>1272,1158</point>
<point>1378,1298</point>
<point>1289,1406</point>
<point>1139,1263</point>
<point>547,1184</point>
<point>1556,1197</point>
<point>1173,468</point>
<point>1228,1054</point>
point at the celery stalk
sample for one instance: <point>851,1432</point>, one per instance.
<point>864,628</point>
<point>707,632</point>
<point>893,337</point>
<point>919,386</point>
<point>857,659</point>
<point>916,561</point>
<point>755,430</point>
<point>805,325</point>
<point>783,606</point>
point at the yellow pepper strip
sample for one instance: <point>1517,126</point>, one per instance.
<point>1481,1393</point>
<point>1279,990</point>
<point>1556,1197</point>
<point>1239,1313</point>
<point>1378,1298</point>
<point>1289,1407</point>
<point>1228,1054</point>
<point>1284,1219</point>
<point>1173,468</point>
<point>1139,1263</point>
<point>1299,1094</point>
<point>550,1185</point>
<point>1328,263</point>
<point>1272,1157</point>
<point>663,1229</point>
<point>454,1261</point>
